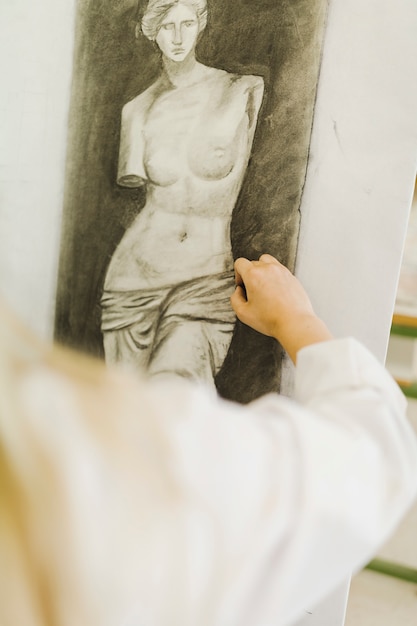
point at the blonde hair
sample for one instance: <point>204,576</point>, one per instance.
<point>67,424</point>
<point>157,9</point>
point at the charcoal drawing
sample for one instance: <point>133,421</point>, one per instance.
<point>187,138</point>
<point>188,146</point>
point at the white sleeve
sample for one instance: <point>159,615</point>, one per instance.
<point>162,504</point>
<point>302,494</point>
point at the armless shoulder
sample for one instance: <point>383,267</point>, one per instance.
<point>224,87</point>
<point>131,170</point>
<point>254,87</point>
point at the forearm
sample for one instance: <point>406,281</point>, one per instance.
<point>300,332</point>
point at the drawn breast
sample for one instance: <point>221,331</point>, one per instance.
<point>166,133</point>
<point>161,164</point>
<point>213,158</point>
<point>208,158</point>
<point>201,134</point>
<point>221,137</point>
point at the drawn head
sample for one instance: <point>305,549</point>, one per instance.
<point>175,25</point>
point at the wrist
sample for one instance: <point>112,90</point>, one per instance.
<point>300,331</point>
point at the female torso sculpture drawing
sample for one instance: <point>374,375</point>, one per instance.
<point>188,139</point>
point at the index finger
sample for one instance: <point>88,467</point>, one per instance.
<point>268,258</point>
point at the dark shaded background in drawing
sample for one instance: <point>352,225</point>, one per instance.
<point>280,40</point>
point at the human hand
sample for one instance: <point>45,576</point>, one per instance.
<point>270,299</point>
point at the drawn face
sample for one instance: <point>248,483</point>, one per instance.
<point>177,36</point>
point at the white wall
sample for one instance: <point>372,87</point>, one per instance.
<point>36,44</point>
<point>360,181</point>
<point>362,167</point>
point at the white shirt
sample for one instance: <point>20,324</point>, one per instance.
<point>150,504</point>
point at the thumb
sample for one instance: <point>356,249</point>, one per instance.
<point>238,299</point>
<point>241,266</point>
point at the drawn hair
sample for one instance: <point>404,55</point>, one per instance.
<point>157,9</point>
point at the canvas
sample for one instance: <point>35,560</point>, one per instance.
<point>168,181</point>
